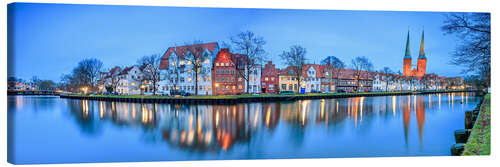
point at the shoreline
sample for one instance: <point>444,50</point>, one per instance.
<point>233,99</point>
<point>479,141</point>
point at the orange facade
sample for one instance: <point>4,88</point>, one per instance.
<point>226,79</point>
<point>421,61</point>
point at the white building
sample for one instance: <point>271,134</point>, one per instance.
<point>130,81</point>
<point>311,78</point>
<point>254,80</point>
<point>178,73</point>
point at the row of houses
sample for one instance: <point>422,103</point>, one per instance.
<point>217,71</point>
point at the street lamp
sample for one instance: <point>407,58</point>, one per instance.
<point>84,89</point>
<point>143,87</point>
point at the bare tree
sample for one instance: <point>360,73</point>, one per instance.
<point>115,80</point>
<point>87,73</point>
<point>295,59</point>
<point>194,55</point>
<point>474,53</point>
<point>362,67</point>
<point>150,66</point>
<point>337,64</point>
<point>386,76</point>
<point>173,74</point>
<point>247,43</point>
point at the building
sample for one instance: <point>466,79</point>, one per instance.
<point>178,73</point>
<point>348,81</point>
<point>421,61</point>
<point>311,77</point>
<point>126,81</point>
<point>269,78</point>
<point>287,80</point>
<point>254,80</point>
<point>130,81</point>
<point>385,82</point>
<point>226,79</point>
<point>328,81</point>
<point>108,79</point>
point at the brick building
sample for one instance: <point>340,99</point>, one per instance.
<point>269,79</point>
<point>226,80</point>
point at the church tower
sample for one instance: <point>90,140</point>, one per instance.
<point>407,58</point>
<point>422,60</point>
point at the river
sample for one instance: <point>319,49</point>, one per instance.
<point>49,129</point>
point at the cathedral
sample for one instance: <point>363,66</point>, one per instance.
<point>421,61</point>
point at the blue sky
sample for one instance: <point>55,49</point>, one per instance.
<point>49,39</point>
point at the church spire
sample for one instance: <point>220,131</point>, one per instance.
<point>421,54</point>
<point>407,53</point>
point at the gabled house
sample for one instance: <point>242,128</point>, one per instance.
<point>269,78</point>
<point>178,73</point>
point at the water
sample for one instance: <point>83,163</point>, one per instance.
<point>45,129</point>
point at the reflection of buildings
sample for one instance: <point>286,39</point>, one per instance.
<point>208,128</point>
<point>420,112</point>
<point>419,108</point>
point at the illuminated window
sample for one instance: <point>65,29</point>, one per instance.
<point>181,63</point>
<point>266,78</point>
<point>189,70</point>
<point>189,79</point>
<point>217,64</point>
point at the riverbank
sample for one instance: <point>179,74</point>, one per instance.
<point>229,99</point>
<point>479,142</point>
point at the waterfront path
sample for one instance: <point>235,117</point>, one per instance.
<point>229,99</point>
<point>480,139</point>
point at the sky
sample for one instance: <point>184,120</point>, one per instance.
<point>48,40</point>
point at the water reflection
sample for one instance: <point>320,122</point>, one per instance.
<point>219,127</point>
<point>386,126</point>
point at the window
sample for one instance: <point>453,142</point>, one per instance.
<point>266,79</point>
<point>272,78</point>
<point>217,64</point>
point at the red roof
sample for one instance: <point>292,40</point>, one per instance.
<point>126,70</point>
<point>318,68</point>
<point>180,50</point>
<point>350,73</point>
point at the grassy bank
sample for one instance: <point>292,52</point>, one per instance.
<point>262,95</point>
<point>480,138</point>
